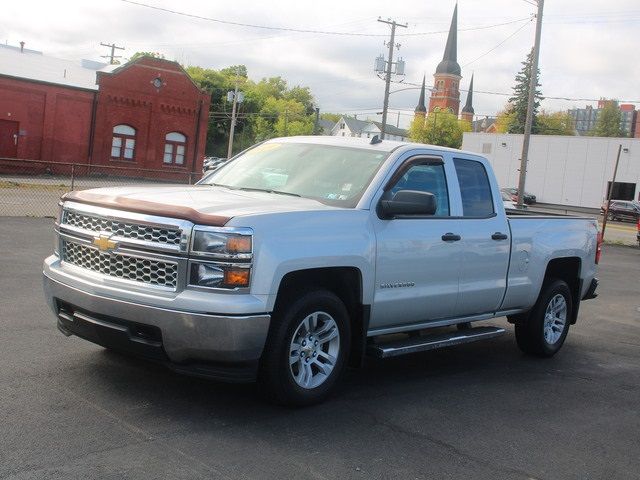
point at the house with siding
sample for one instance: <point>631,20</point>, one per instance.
<point>353,127</point>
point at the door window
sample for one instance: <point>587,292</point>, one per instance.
<point>427,178</point>
<point>477,200</point>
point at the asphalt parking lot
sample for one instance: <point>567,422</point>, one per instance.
<point>72,410</point>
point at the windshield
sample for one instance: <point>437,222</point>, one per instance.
<point>332,175</point>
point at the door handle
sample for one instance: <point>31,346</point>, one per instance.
<point>499,236</point>
<point>450,237</point>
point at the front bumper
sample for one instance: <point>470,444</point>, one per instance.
<point>225,347</point>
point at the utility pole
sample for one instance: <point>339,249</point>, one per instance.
<point>236,97</point>
<point>610,193</point>
<point>286,122</point>
<point>533,83</point>
<point>113,55</point>
<point>389,65</point>
<point>316,123</point>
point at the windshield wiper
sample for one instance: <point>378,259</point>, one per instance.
<point>279,192</point>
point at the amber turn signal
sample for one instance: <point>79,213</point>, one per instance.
<point>239,244</point>
<point>236,277</point>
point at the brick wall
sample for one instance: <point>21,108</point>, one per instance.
<point>54,121</point>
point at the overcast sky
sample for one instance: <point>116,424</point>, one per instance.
<point>588,49</point>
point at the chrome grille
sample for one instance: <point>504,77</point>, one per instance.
<point>151,272</point>
<point>122,229</point>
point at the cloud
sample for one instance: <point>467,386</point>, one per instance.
<point>582,55</point>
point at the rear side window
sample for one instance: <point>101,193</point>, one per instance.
<point>477,200</point>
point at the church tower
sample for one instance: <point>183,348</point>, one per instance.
<point>467,110</point>
<point>421,108</point>
<point>446,88</point>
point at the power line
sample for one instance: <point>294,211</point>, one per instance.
<point>546,97</point>
<point>300,30</point>
<point>498,45</point>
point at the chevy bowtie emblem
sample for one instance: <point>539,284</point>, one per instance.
<point>104,243</point>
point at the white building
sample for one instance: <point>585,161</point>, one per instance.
<point>352,127</point>
<point>564,170</point>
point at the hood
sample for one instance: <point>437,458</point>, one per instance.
<point>202,204</point>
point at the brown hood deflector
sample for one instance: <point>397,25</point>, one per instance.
<point>149,208</point>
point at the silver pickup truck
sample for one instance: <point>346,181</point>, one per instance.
<point>303,255</point>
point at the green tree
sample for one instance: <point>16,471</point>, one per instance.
<point>269,109</point>
<point>217,84</point>
<point>439,128</point>
<point>137,55</point>
<point>302,95</point>
<point>332,117</point>
<point>280,117</point>
<point>505,119</point>
<point>520,98</point>
<point>555,123</point>
<point>609,123</point>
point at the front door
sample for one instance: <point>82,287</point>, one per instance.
<point>417,265</point>
<point>8,139</point>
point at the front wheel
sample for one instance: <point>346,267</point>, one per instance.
<point>306,350</point>
<point>544,330</point>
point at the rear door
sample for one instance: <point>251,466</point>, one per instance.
<point>486,240</point>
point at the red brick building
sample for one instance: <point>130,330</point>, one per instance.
<point>445,95</point>
<point>446,81</point>
<point>144,114</point>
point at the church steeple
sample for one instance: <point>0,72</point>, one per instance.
<point>446,87</point>
<point>421,108</point>
<point>449,63</point>
<point>467,110</point>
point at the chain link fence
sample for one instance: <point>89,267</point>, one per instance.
<point>33,187</point>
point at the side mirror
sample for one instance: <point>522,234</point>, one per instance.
<point>409,202</point>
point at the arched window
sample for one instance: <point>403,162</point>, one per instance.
<point>174,148</point>
<point>123,144</point>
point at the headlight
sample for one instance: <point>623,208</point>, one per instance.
<point>211,275</point>
<point>220,257</point>
<point>218,244</point>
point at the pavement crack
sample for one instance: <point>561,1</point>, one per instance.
<point>449,447</point>
<point>146,436</point>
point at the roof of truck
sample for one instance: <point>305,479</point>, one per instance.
<point>355,142</point>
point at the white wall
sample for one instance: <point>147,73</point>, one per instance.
<point>561,169</point>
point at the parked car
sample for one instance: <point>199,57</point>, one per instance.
<point>528,199</point>
<point>507,200</point>
<point>638,234</point>
<point>622,210</point>
<point>212,163</point>
<point>306,254</point>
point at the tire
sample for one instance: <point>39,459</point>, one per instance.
<point>308,334</point>
<point>610,216</point>
<point>543,335</point>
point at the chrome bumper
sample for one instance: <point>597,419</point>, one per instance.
<point>186,337</point>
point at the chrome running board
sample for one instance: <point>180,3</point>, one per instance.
<point>432,342</point>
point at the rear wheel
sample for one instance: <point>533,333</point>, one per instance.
<point>306,350</point>
<point>545,329</point>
